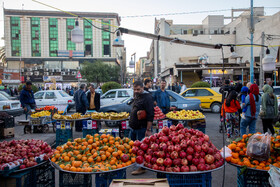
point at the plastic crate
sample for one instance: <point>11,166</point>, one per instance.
<point>74,180</point>
<point>124,133</point>
<point>104,180</point>
<point>41,176</point>
<point>89,131</point>
<point>202,129</point>
<point>252,178</point>
<point>198,180</point>
<point>8,122</point>
<point>63,135</point>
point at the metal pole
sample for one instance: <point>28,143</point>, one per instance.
<point>181,76</point>
<point>252,40</point>
<point>211,78</point>
<point>274,78</point>
<point>134,65</point>
<point>242,77</point>
<point>261,66</point>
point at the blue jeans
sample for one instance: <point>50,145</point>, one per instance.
<point>248,121</point>
<point>137,134</point>
<point>29,107</point>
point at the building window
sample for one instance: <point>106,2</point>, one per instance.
<point>257,59</point>
<point>35,36</point>
<point>106,44</point>
<point>70,24</point>
<point>88,37</point>
<point>15,36</point>
<point>185,31</point>
<point>53,37</point>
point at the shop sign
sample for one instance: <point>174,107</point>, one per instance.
<point>217,71</point>
<point>50,78</point>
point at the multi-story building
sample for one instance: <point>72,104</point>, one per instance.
<point>190,64</point>
<point>39,47</point>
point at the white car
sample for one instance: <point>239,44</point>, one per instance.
<point>115,96</point>
<point>12,107</point>
<point>53,98</point>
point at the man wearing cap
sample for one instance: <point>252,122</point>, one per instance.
<point>7,90</point>
<point>27,98</point>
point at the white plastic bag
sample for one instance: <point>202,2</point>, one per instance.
<point>274,178</point>
<point>258,146</point>
<point>227,152</point>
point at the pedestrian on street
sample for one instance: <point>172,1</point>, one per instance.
<point>93,98</point>
<point>7,90</point>
<point>249,118</point>
<point>177,87</point>
<point>269,108</point>
<point>27,99</point>
<point>15,91</point>
<point>141,116</point>
<point>148,85</point>
<point>161,98</point>
<point>81,102</point>
<point>183,87</point>
<point>232,108</point>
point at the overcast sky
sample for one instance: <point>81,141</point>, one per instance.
<point>142,7</point>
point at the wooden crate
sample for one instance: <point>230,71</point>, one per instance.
<point>7,132</point>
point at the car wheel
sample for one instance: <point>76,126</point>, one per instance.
<point>54,126</point>
<point>216,107</point>
<point>111,124</point>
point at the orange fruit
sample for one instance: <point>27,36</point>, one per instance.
<point>66,158</point>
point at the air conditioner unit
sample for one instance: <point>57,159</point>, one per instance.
<point>51,73</point>
<point>46,73</point>
<point>6,77</point>
<point>68,73</point>
<point>63,70</point>
<point>22,70</point>
<point>29,69</point>
<point>36,73</point>
<point>68,70</point>
<point>35,68</point>
<point>63,73</point>
<point>40,67</point>
<point>29,73</point>
<point>58,70</point>
<point>52,70</point>
<point>74,73</point>
<point>46,69</point>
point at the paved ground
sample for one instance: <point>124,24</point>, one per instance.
<point>212,129</point>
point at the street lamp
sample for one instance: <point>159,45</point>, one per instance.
<point>118,42</point>
<point>132,63</point>
<point>77,35</point>
<point>268,62</point>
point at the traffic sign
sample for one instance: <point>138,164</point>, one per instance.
<point>79,76</point>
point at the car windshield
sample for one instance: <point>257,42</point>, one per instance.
<point>276,91</point>
<point>3,98</point>
<point>5,94</point>
<point>64,94</point>
<point>171,93</point>
<point>126,100</point>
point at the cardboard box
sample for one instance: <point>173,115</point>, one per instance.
<point>5,132</point>
<point>139,183</point>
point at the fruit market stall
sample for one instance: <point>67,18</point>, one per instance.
<point>25,163</point>
<point>7,124</point>
<point>194,119</point>
<point>253,155</point>
<point>179,154</point>
<point>102,155</point>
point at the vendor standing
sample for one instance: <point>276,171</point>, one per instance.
<point>93,99</point>
<point>161,98</point>
<point>141,116</point>
<point>81,102</point>
<point>27,98</point>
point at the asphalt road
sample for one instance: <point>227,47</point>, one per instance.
<point>212,129</point>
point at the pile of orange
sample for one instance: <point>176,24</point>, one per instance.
<point>94,153</point>
<point>239,156</point>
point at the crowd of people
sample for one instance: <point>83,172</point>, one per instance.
<point>243,105</point>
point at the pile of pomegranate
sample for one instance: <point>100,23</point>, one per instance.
<point>158,114</point>
<point>178,149</point>
<point>23,153</point>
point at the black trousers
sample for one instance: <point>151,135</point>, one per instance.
<point>267,124</point>
<point>79,124</point>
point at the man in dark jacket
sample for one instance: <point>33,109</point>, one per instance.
<point>93,99</point>
<point>141,116</point>
<point>161,98</point>
<point>27,98</point>
<point>148,85</point>
<point>81,102</point>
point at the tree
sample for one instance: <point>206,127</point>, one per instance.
<point>100,72</point>
<point>34,88</point>
<point>3,54</point>
<point>200,84</point>
<point>110,85</point>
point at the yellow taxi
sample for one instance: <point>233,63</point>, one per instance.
<point>208,97</point>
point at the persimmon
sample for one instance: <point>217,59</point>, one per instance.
<point>235,155</point>
<point>232,146</point>
<point>66,158</point>
<point>90,159</point>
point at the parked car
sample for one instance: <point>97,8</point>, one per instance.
<point>175,100</point>
<point>208,97</point>
<point>53,97</point>
<point>99,91</point>
<point>115,96</point>
<point>12,107</point>
<point>8,96</point>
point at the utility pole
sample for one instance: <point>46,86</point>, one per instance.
<point>252,41</point>
<point>261,66</point>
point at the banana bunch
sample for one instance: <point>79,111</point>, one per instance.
<point>185,115</point>
<point>110,115</point>
<point>41,114</point>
